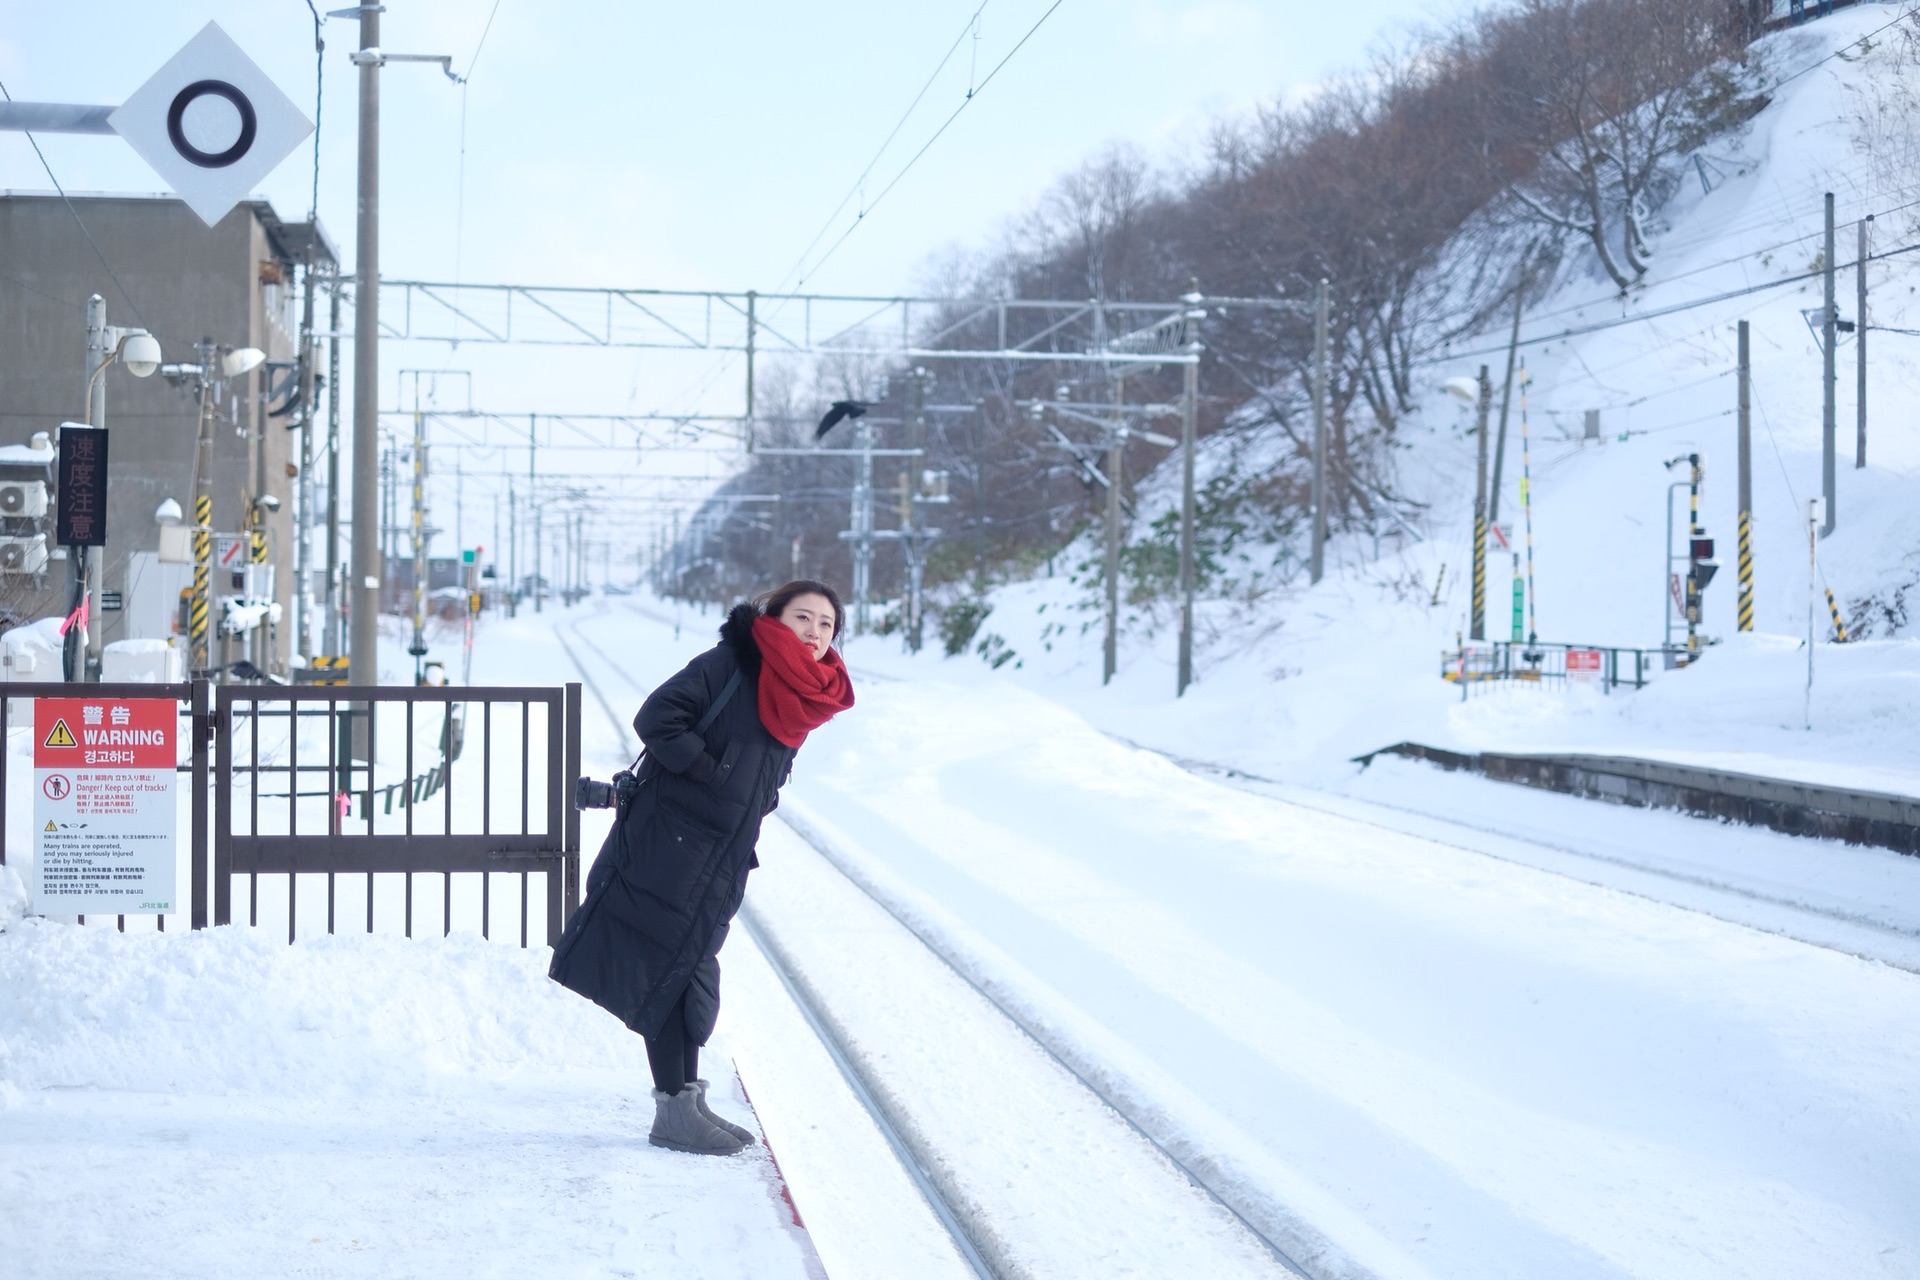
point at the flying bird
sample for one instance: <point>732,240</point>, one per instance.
<point>841,409</point>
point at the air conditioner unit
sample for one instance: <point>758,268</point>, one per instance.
<point>27,498</point>
<point>23,555</point>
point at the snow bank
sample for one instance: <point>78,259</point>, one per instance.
<point>239,1011</point>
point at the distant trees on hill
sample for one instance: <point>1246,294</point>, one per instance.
<point>1429,188</point>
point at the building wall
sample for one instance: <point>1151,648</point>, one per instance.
<point>184,281</point>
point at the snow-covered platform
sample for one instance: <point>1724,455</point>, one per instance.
<point>221,1103</point>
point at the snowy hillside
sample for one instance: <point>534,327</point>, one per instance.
<point>1304,678</point>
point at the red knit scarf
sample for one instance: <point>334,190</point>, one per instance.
<point>798,693</point>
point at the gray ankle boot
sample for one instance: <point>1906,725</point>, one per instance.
<point>745,1135</point>
<point>679,1125</point>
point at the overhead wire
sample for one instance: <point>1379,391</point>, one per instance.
<point>801,272</point>
<point>65,199</point>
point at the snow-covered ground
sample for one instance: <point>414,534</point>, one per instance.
<point>223,1104</point>
<point>1440,1033</point>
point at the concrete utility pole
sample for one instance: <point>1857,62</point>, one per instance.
<point>418,525</point>
<point>363,665</point>
<point>200,607</point>
<point>912,538</point>
<point>87,577</point>
<point>860,520</point>
<point>1189,439</point>
<point>533,500</point>
<point>1317,556</point>
<point>1506,402</point>
<point>1860,348</point>
<point>1744,606</point>
<point>1829,423</point>
<point>336,640</point>
<point>1477,628</point>
<point>303,528</point>
<point>1116,465</point>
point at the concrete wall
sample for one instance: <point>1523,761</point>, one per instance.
<point>184,281</point>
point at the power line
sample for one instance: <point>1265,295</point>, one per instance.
<point>105,265</point>
<point>966,102</point>
<point>319,89</point>
<point>972,24</point>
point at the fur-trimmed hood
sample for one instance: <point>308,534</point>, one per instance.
<point>737,634</point>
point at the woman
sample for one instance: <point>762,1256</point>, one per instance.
<point>720,740</point>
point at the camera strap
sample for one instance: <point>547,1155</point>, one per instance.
<point>726,692</point>
<point>706,721</point>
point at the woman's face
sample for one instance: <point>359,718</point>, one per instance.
<point>811,617</point>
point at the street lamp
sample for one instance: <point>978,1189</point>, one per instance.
<point>140,353</point>
<point>217,365</point>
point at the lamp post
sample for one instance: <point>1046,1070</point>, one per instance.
<point>217,366</point>
<point>139,353</point>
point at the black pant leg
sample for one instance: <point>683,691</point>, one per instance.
<point>669,1052</point>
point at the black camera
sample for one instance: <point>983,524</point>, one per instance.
<point>589,793</point>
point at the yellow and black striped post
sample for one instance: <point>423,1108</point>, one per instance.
<point>1477,622</point>
<point>1478,628</point>
<point>1743,607</point>
<point>1745,602</point>
<point>202,603</point>
<point>1839,627</point>
<point>259,548</point>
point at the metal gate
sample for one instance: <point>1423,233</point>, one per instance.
<point>391,783</point>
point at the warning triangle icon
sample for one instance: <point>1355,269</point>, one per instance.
<point>61,736</point>
<point>50,826</point>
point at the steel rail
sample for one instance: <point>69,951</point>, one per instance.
<point>1061,1054</point>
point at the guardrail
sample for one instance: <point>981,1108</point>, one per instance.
<point>1479,664</point>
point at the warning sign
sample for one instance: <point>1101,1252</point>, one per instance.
<point>1584,666</point>
<point>105,812</point>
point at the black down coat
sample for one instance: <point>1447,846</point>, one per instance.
<point>674,868</point>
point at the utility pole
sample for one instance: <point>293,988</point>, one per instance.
<point>86,576</point>
<point>1189,439</point>
<point>336,642</point>
<point>1828,383</point>
<point>911,540</point>
<point>1116,464</point>
<point>200,607</point>
<point>1317,560</point>
<point>363,663</point>
<point>1477,629</point>
<point>1743,609</point>
<point>533,500</point>
<point>1506,402</point>
<point>861,520</point>
<point>1860,348</point>
<point>418,525</point>
<point>513,548</point>
<point>303,530</point>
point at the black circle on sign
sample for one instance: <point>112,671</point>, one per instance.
<point>211,159</point>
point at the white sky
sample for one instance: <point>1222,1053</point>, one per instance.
<point>692,145</point>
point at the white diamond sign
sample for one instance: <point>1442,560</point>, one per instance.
<point>211,123</point>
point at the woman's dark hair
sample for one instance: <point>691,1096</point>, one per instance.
<point>775,602</point>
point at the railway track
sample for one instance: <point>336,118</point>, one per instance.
<point>1850,933</point>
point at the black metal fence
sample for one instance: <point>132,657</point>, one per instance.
<point>370,787</point>
<point>1482,665</point>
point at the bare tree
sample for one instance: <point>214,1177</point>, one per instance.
<point>1606,94</point>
